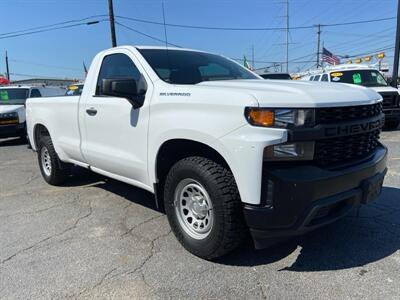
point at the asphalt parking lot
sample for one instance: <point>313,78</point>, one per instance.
<point>98,238</point>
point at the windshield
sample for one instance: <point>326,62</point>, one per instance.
<point>191,67</point>
<point>13,96</point>
<point>360,77</point>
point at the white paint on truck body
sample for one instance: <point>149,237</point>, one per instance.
<point>123,143</point>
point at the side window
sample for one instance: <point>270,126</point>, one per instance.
<point>116,66</point>
<point>35,93</point>
<point>316,78</point>
<point>311,78</point>
<point>214,71</point>
<point>324,77</point>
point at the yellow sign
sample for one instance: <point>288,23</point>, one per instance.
<point>381,55</point>
<point>336,74</point>
<point>368,58</point>
<point>72,87</point>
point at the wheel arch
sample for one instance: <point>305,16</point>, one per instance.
<point>173,150</point>
<point>39,130</point>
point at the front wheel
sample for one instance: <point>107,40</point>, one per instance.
<point>203,207</point>
<point>53,170</point>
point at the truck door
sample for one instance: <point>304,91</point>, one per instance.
<point>115,134</point>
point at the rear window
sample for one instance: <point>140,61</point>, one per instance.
<point>316,78</point>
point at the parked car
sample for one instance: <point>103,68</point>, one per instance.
<point>12,107</point>
<point>282,76</point>
<point>223,150</point>
<point>74,90</point>
<point>368,77</point>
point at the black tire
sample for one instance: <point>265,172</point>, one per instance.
<point>392,125</point>
<point>228,229</point>
<point>59,171</point>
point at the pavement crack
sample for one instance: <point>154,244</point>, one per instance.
<point>74,226</point>
<point>33,177</point>
<point>129,230</point>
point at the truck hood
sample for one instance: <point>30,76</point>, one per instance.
<point>10,108</point>
<point>288,93</point>
<point>384,89</point>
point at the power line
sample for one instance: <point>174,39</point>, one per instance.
<point>388,47</point>
<point>39,76</point>
<point>254,28</point>
<point>51,29</point>
<point>147,35</point>
<point>52,25</point>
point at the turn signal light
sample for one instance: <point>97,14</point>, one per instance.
<point>260,117</point>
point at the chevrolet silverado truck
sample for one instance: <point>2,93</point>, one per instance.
<point>225,152</point>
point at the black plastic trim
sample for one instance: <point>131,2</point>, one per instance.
<point>301,191</point>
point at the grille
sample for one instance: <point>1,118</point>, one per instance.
<point>389,99</point>
<point>342,149</point>
<point>347,113</point>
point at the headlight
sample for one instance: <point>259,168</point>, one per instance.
<point>280,118</point>
<point>290,151</point>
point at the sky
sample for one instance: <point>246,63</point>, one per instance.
<point>61,53</point>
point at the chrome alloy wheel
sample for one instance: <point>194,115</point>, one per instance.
<point>46,161</point>
<point>193,208</point>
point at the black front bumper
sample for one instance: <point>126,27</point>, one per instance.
<point>306,197</point>
<point>13,130</point>
<point>392,114</point>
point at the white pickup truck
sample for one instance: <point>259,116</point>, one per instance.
<point>224,151</point>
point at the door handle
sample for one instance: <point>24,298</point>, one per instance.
<point>91,111</point>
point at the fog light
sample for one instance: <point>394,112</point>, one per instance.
<point>291,151</point>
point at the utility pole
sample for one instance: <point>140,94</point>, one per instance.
<point>396,49</point>
<point>287,35</point>
<point>112,23</point>
<point>318,44</point>
<point>8,70</point>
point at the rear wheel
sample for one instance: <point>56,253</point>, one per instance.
<point>203,207</point>
<point>53,170</point>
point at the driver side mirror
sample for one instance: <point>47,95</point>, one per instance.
<point>132,90</point>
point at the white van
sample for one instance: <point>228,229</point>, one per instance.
<point>366,76</point>
<point>12,107</point>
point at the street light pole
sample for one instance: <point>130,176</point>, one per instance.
<point>396,49</point>
<point>112,23</point>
